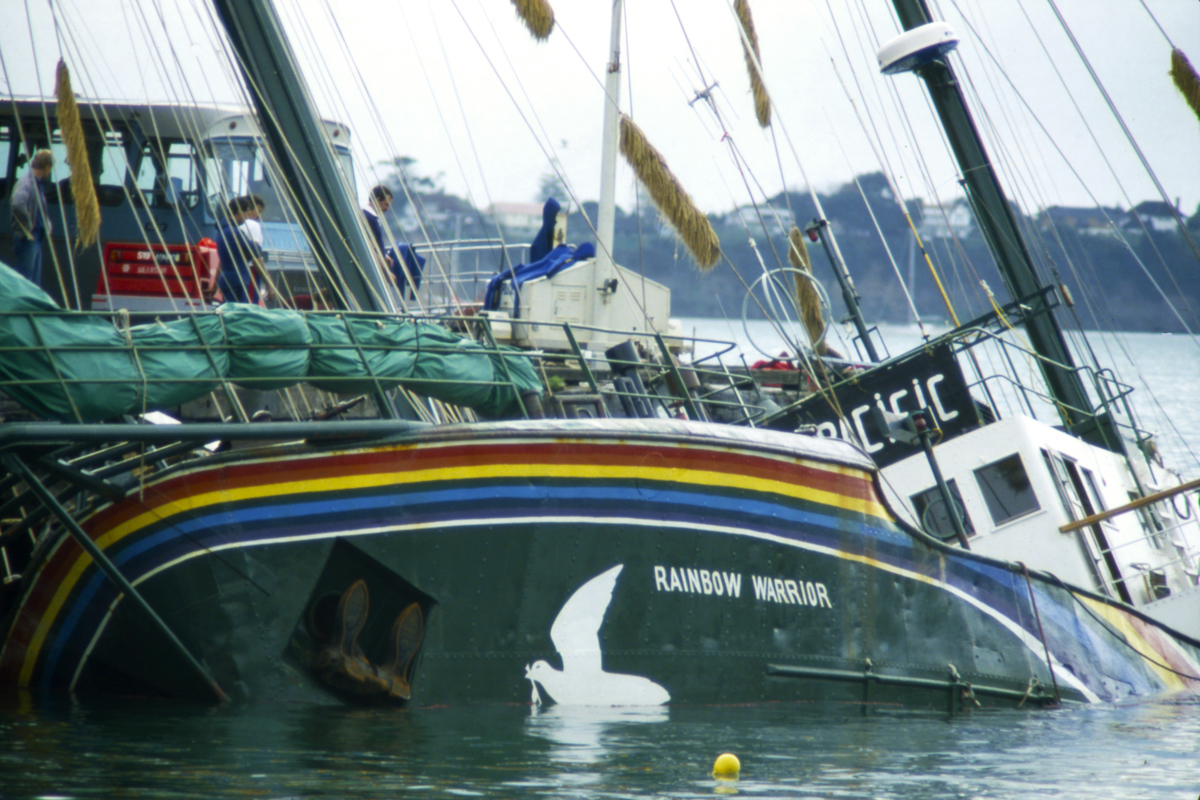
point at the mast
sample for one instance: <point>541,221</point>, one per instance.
<point>606,214</point>
<point>331,220</point>
<point>994,215</point>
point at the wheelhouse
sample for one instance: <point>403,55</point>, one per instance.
<point>163,175</point>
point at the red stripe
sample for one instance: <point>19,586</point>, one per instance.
<point>856,485</point>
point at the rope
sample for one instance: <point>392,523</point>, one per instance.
<point>1037,616</point>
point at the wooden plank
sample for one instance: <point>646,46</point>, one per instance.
<point>1131,506</point>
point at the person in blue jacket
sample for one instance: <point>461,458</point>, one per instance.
<point>241,258</point>
<point>381,201</point>
<point>543,243</point>
<point>406,268</point>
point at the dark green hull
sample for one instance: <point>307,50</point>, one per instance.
<point>753,567</point>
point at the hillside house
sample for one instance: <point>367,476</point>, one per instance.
<point>951,219</point>
<point>1155,215</point>
<point>1087,221</point>
<point>519,221</point>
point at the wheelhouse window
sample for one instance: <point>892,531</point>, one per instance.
<point>240,165</point>
<point>6,154</point>
<point>1151,522</point>
<point>932,513</point>
<point>167,175</point>
<point>234,167</point>
<point>1006,489</point>
<point>1062,482</point>
<point>106,157</point>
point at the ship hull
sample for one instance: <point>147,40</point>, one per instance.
<point>637,563</point>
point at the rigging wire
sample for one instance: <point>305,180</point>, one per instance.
<point>1125,128</point>
<point>903,210</point>
<point>1033,233</point>
<point>1084,185</point>
<point>914,145</point>
<point>739,164</point>
<point>49,136</point>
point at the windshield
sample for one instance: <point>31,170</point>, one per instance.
<point>234,167</point>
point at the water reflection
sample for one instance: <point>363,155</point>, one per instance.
<point>584,734</point>
<point>61,747</point>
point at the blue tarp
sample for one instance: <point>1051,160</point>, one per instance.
<point>543,242</point>
<point>556,261</point>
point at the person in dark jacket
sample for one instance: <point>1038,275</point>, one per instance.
<point>241,258</point>
<point>407,266</point>
<point>30,223</point>
<point>381,201</point>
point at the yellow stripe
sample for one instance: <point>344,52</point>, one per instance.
<point>1122,622</point>
<point>655,474</point>
<point>51,613</point>
<point>868,507</point>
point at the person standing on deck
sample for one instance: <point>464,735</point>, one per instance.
<point>252,225</point>
<point>30,223</point>
<point>253,206</point>
<point>381,201</point>
<point>240,257</point>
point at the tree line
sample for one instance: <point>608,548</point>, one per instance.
<point>1116,281</point>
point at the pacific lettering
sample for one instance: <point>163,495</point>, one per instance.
<point>856,422</point>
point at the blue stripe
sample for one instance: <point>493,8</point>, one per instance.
<point>454,501</point>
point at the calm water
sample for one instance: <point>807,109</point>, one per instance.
<point>143,749</point>
<point>59,747</point>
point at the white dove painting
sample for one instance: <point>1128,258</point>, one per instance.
<point>576,635</point>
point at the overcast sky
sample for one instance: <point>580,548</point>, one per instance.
<point>461,86</point>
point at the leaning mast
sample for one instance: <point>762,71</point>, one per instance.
<point>994,215</point>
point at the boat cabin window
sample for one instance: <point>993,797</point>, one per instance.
<point>167,177</point>
<point>1006,489</point>
<point>1093,492</point>
<point>1151,522</point>
<point>237,166</point>
<point>7,148</point>
<point>234,167</point>
<point>106,157</point>
<point>1076,487</point>
<point>931,512</point>
<point>1067,493</point>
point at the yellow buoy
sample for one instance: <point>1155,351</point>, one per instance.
<point>727,767</point>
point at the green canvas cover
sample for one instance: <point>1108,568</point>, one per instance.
<point>98,377</point>
<point>181,360</point>
<point>503,400</point>
<point>444,353</point>
<point>75,367</point>
<point>475,372</point>
<point>268,349</point>
<point>348,351</point>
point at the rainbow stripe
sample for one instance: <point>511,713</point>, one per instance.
<point>268,501</point>
<point>715,487</point>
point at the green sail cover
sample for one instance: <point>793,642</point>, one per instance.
<point>351,355</point>
<point>503,400</point>
<point>180,360</point>
<point>90,376</point>
<point>444,353</point>
<point>268,349</point>
<point>79,368</point>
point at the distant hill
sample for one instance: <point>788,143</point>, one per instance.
<point>1118,264</point>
